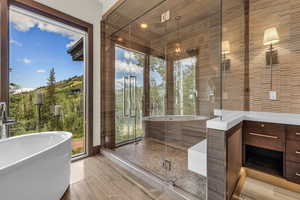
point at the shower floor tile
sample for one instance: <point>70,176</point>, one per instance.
<point>150,154</point>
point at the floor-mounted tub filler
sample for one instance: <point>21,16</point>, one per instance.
<point>35,166</point>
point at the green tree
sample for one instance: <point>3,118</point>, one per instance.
<point>50,101</point>
<point>157,85</point>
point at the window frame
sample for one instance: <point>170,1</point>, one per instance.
<point>61,17</point>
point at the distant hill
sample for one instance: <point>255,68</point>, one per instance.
<point>73,85</point>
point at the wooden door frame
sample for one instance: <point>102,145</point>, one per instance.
<point>56,15</point>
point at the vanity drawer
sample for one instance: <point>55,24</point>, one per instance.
<point>293,150</point>
<point>293,132</point>
<point>265,135</point>
<point>293,171</point>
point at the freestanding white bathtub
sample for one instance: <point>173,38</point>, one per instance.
<point>35,166</point>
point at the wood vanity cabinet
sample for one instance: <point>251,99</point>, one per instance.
<point>280,140</point>
<point>265,135</point>
<point>293,153</point>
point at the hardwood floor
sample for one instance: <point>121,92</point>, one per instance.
<point>259,190</point>
<point>96,178</point>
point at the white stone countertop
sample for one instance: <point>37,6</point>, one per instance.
<point>232,118</point>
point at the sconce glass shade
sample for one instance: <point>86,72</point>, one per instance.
<point>225,47</point>
<point>271,36</point>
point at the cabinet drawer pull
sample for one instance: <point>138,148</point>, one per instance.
<point>265,136</point>
<point>297,134</point>
<point>297,174</point>
<point>297,152</point>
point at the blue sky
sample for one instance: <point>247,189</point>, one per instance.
<point>125,63</point>
<point>35,49</point>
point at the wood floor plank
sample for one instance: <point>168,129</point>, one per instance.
<point>96,179</point>
<point>122,184</point>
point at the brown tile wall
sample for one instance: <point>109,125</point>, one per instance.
<point>181,134</point>
<point>285,16</point>
<point>233,30</point>
<point>223,162</point>
<point>204,36</point>
<point>216,165</point>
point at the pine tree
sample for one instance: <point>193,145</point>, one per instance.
<point>50,101</point>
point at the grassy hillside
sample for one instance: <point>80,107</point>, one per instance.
<point>68,94</point>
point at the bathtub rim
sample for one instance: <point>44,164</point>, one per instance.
<point>38,154</point>
<point>195,118</point>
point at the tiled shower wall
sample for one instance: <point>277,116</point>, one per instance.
<point>204,36</point>
<point>233,31</point>
<point>285,16</point>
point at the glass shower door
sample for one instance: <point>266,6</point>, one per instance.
<point>129,95</point>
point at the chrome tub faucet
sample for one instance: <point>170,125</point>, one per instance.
<point>5,121</point>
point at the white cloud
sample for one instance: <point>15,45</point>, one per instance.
<point>125,67</point>
<point>24,23</point>
<point>71,43</point>
<point>26,61</point>
<point>21,22</point>
<point>21,90</point>
<point>40,71</point>
<point>119,83</point>
<point>15,42</point>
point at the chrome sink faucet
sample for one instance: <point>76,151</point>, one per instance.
<point>5,121</point>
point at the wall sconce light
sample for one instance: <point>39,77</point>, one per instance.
<point>144,25</point>
<point>270,38</point>
<point>225,51</point>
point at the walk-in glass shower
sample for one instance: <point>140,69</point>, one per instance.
<point>161,83</point>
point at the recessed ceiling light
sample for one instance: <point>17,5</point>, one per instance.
<point>120,39</point>
<point>144,25</point>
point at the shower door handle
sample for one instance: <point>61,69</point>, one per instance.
<point>125,100</point>
<point>132,96</point>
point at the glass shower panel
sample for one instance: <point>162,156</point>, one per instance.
<point>133,145</point>
<point>128,94</point>
<point>157,86</point>
<point>181,87</point>
<point>235,63</point>
<point>185,86</point>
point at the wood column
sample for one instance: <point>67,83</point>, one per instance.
<point>4,43</point>
<point>246,57</point>
<point>102,88</point>
<point>107,90</point>
<point>224,162</point>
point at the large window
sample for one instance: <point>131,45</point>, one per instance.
<point>185,90</point>
<point>157,85</point>
<point>47,77</point>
